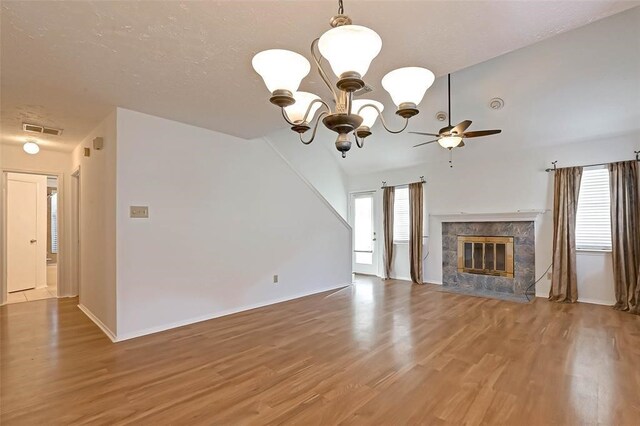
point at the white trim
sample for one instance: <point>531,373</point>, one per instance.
<point>596,301</point>
<point>97,322</point>
<point>309,184</point>
<point>214,315</point>
<point>517,216</point>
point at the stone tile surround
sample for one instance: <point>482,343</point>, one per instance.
<point>523,233</point>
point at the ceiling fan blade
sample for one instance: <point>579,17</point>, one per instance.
<point>461,127</point>
<point>478,133</point>
<point>425,143</point>
<point>424,134</point>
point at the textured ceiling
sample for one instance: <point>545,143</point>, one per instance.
<point>65,64</point>
<point>579,86</point>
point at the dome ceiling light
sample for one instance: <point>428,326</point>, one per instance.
<point>30,147</point>
<point>349,49</point>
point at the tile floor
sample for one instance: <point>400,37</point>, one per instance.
<point>33,294</point>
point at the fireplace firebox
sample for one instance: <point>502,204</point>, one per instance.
<point>485,255</point>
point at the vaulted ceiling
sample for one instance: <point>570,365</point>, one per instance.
<point>65,64</point>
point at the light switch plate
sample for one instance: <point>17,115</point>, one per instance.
<point>139,212</point>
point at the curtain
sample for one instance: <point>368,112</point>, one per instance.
<point>625,234</point>
<point>388,196</point>
<point>566,188</point>
<point>416,206</point>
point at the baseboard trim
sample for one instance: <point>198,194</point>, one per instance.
<point>207,317</point>
<point>583,300</point>
<point>97,322</point>
<point>595,302</point>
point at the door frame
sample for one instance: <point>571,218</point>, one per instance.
<point>62,250</point>
<point>374,212</point>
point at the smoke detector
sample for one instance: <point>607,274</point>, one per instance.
<point>36,128</point>
<point>496,103</point>
<point>441,116</point>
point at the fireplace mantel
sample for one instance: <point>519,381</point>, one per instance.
<point>517,216</point>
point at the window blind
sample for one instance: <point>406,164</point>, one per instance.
<point>593,220</point>
<point>401,215</point>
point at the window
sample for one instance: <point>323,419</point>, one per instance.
<point>593,221</point>
<point>54,222</point>
<point>363,232</point>
<point>401,215</point>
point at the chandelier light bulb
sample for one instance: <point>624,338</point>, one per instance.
<point>31,147</point>
<point>281,69</point>
<point>408,85</point>
<point>297,111</point>
<point>368,114</point>
<point>350,48</point>
<point>449,141</point>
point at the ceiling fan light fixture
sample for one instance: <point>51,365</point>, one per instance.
<point>449,141</point>
<point>281,70</point>
<point>350,49</point>
<point>30,147</point>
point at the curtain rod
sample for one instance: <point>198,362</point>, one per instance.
<point>554,168</point>
<point>384,183</point>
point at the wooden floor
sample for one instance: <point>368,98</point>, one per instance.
<point>375,353</point>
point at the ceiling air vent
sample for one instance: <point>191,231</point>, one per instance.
<point>35,128</point>
<point>366,89</point>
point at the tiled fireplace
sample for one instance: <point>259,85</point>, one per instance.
<point>495,259</point>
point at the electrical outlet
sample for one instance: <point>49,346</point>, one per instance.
<point>275,279</point>
<point>139,212</point>
<point>548,275</point>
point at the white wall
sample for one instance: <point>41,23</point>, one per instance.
<point>225,215</point>
<point>317,164</point>
<point>12,157</point>
<point>98,225</point>
<point>488,182</point>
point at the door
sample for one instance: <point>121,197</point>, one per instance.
<point>26,254</point>
<point>365,259</point>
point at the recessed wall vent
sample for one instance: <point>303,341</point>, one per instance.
<point>35,128</point>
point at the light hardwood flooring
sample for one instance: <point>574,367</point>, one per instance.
<point>375,353</point>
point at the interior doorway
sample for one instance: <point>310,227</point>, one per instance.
<point>32,235</point>
<point>362,218</point>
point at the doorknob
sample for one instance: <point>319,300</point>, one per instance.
<point>33,241</point>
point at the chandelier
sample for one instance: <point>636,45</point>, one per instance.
<point>349,49</point>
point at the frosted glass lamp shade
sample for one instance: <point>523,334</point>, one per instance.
<point>368,114</point>
<point>297,111</point>
<point>31,148</point>
<point>350,48</point>
<point>450,141</point>
<point>281,69</point>
<point>408,85</point>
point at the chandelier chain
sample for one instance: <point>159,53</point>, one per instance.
<point>340,8</point>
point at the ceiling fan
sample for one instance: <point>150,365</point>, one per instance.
<point>453,136</point>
